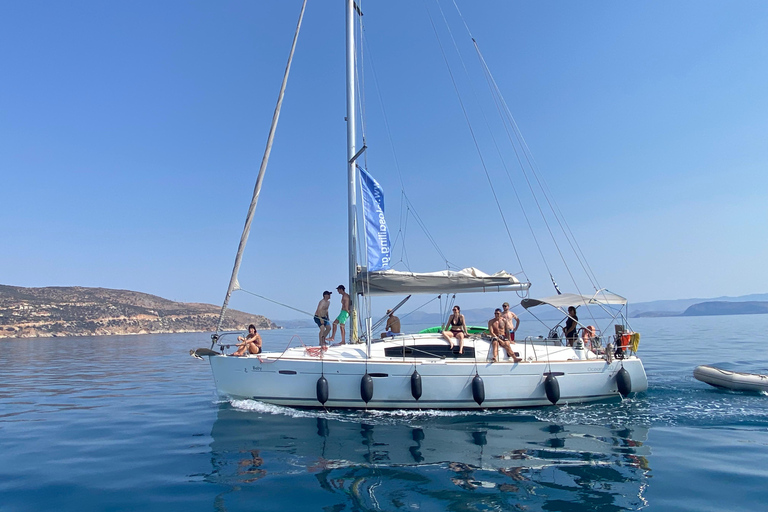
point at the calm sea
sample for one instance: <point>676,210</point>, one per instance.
<point>133,423</point>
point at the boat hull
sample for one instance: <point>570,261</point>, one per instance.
<point>291,378</point>
<point>726,379</point>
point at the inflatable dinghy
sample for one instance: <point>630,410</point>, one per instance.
<point>731,380</point>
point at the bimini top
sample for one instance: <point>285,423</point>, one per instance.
<point>572,299</point>
<point>470,279</point>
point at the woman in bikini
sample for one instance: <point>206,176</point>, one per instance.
<point>456,327</point>
<point>251,343</point>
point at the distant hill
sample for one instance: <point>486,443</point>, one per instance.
<point>77,311</point>
<point>677,307</point>
<point>727,308</point>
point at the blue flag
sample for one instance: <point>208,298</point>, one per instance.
<point>376,231</point>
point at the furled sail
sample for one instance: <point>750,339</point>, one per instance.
<point>376,231</point>
<point>447,281</point>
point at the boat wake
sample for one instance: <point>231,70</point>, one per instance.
<point>665,405</point>
<point>369,416</point>
<point>265,408</point>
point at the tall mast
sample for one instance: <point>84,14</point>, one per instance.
<point>351,174</point>
<point>233,283</point>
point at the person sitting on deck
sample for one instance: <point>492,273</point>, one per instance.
<point>496,327</point>
<point>456,327</point>
<point>250,343</point>
<point>393,325</point>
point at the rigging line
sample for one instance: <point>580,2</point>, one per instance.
<point>542,182</point>
<point>383,319</point>
<point>557,214</point>
<point>360,80</point>
<point>560,218</point>
<point>404,230</point>
<point>233,284</point>
<point>386,122</point>
<point>526,152</point>
<point>522,167</point>
<point>580,254</point>
<point>532,163</point>
<point>495,142</point>
<point>276,302</point>
<point>396,159</point>
<point>417,217</point>
<point>472,132</point>
<point>509,176</point>
<point>528,181</point>
<point>418,308</point>
<point>446,315</point>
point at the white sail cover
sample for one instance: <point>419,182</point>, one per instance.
<point>572,299</point>
<point>446,281</point>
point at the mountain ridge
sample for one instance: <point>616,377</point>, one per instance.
<point>82,311</point>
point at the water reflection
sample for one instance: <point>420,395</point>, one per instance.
<point>449,462</point>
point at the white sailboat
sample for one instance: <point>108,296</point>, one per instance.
<point>420,371</point>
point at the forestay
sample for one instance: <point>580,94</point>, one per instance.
<point>446,281</point>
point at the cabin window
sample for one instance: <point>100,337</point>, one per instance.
<point>429,352</point>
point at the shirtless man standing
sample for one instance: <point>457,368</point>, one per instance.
<point>341,320</point>
<point>322,319</point>
<point>511,323</point>
<point>496,328</point>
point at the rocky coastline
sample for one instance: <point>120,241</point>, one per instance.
<point>79,311</point>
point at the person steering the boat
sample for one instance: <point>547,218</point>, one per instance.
<point>250,343</point>
<point>456,327</point>
<point>571,326</point>
<point>341,320</point>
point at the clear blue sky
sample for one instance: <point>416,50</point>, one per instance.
<point>131,134</point>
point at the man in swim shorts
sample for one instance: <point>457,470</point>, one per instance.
<point>343,316</point>
<point>322,319</point>
<point>393,325</point>
<point>496,328</point>
<point>511,321</point>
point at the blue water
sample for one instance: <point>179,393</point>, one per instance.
<point>133,423</point>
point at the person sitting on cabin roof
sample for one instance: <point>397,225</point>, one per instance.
<point>456,327</point>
